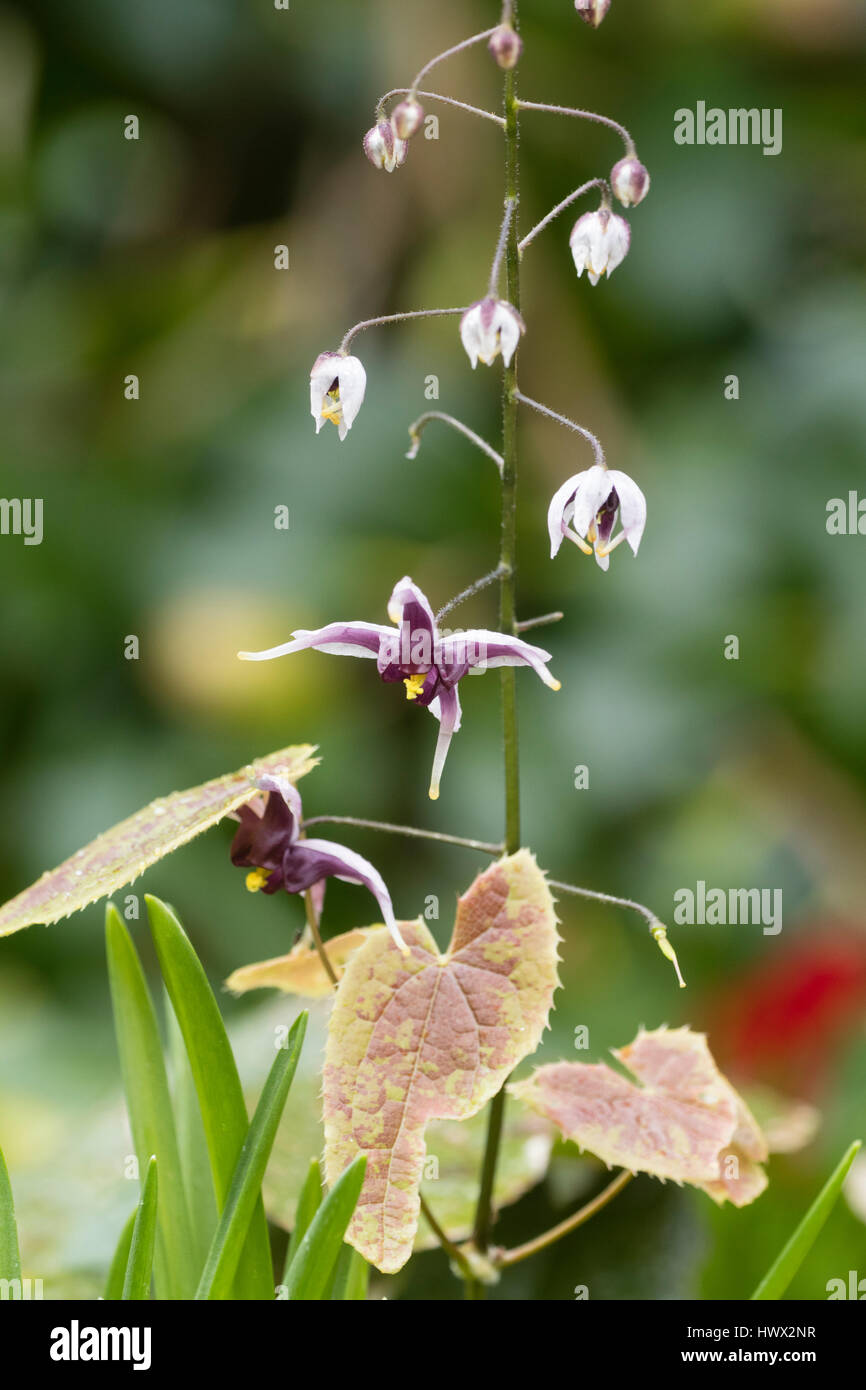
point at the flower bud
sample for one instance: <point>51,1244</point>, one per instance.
<point>506,46</point>
<point>406,118</point>
<point>630,181</point>
<point>592,11</point>
<point>383,149</point>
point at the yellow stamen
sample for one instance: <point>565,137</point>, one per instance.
<point>256,879</point>
<point>414,685</point>
<point>557,685</point>
<point>659,935</point>
<point>433,792</point>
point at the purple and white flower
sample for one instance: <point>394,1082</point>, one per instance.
<point>269,844</point>
<point>337,385</point>
<point>599,242</point>
<point>630,181</point>
<point>488,327</point>
<point>592,11</point>
<point>584,510</point>
<point>384,149</point>
<point>430,663</point>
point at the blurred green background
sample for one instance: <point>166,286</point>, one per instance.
<point>156,257</point>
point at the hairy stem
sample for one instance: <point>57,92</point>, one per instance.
<point>482,846</point>
<point>437,96</point>
<point>417,426</point>
<point>560,207</point>
<point>501,245</point>
<point>507,560</point>
<point>569,424</point>
<point>449,53</point>
<point>396,318</point>
<point>469,592</point>
<point>582,116</point>
<point>571,1223</point>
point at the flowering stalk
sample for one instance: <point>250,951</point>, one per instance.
<point>507,601</point>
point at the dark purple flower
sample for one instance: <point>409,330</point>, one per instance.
<point>428,662</point>
<point>270,845</point>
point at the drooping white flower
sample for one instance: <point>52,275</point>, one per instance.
<point>585,509</point>
<point>630,181</point>
<point>337,386</point>
<point>383,148</point>
<point>489,327</point>
<point>599,242</point>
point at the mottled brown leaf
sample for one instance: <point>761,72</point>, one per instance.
<point>684,1121</point>
<point>427,1036</point>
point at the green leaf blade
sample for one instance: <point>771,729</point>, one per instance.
<point>148,1101</point>
<point>312,1266</point>
<point>119,1261</point>
<point>10,1259</point>
<point>217,1084</point>
<point>245,1190</point>
<point>139,1269</point>
<point>782,1271</point>
<point>309,1201</point>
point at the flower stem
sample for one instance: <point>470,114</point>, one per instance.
<point>449,53</point>
<point>560,207</point>
<point>437,96</point>
<point>410,830</point>
<point>543,620</point>
<point>582,116</point>
<point>472,589</point>
<point>507,620</point>
<point>396,318</point>
<point>501,245</point>
<point>571,1223</point>
<point>569,424</point>
<point>420,424</point>
<point>313,924</point>
<point>451,1250</point>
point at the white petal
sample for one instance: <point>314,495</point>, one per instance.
<point>353,384</point>
<point>556,518</point>
<point>594,489</point>
<point>510,326</point>
<point>632,507</point>
<point>324,372</point>
<point>470,333</point>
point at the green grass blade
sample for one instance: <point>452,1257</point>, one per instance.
<point>309,1201</point>
<point>10,1259</point>
<point>245,1190</point>
<point>313,1264</point>
<point>782,1271</point>
<point>149,1104</point>
<point>139,1269</point>
<point>221,1101</point>
<point>351,1277</point>
<point>119,1261</point>
<point>194,1156</point>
